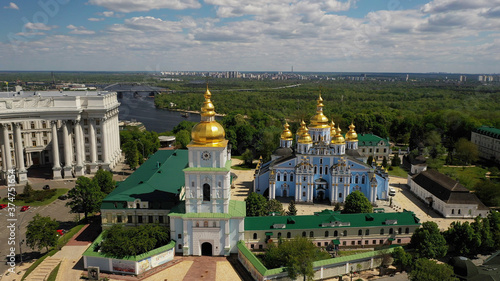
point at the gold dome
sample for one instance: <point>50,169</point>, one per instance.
<point>300,131</point>
<point>286,134</point>
<point>208,132</point>
<point>333,131</point>
<point>305,138</point>
<point>338,139</point>
<point>351,134</point>
<point>319,120</point>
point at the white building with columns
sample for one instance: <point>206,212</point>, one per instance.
<point>75,132</point>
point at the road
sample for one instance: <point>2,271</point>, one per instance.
<point>56,210</point>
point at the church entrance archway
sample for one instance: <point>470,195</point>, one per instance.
<point>321,196</point>
<point>206,249</point>
<point>284,193</point>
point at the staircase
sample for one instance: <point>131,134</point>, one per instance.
<point>43,270</point>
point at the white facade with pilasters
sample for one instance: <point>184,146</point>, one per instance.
<point>74,133</point>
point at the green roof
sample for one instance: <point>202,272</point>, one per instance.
<point>161,176</point>
<point>370,140</point>
<point>236,209</point>
<point>91,253</point>
<point>326,220</point>
<point>489,131</point>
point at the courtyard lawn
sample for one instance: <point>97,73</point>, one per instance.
<point>19,202</point>
<point>398,172</point>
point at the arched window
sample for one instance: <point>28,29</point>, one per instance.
<point>197,224</point>
<point>382,231</point>
<point>214,224</point>
<point>400,230</point>
<point>311,234</point>
<point>138,205</point>
<point>367,232</point>
<point>452,211</point>
<point>291,177</point>
<point>320,170</point>
<point>278,176</point>
<point>206,192</point>
<point>360,232</point>
<point>303,234</point>
<point>205,224</point>
<point>459,211</point>
<point>345,232</point>
<point>288,235</point>
<point>391,230</point>
<point>284,177</point>
<point>326,233</point>
<point>321,160</point>
<point>407,230</point>
<point>335,233</point>
<point>326,170</point>
<point>363,180</point>
<point>255,236</point>
<point>315,169</point>
<point>279,234</point>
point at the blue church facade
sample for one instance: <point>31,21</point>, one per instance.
<point>323,166</point>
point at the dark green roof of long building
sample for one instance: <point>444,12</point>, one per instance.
<point>489,131</point>
<point>161,176</point>
<point>370,140</point>
<point>327,219</point>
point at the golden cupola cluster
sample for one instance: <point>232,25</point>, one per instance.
<point>286,134</point>
<point>305,137</point>
<point>319,120</point>
<point>333,131</point>
<point>338,138</point>
<point>351,134</point>
<point>301,130</point>
<point>208,132</point>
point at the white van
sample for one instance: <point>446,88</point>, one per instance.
<point>392,191</point>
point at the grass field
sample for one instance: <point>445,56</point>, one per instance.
<point>467,176</point>
<point>59,192</point>
<point>398,172</point>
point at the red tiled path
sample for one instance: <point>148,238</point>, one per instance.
<point>203,268</point>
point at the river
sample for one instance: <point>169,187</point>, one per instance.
<point>142,109</point>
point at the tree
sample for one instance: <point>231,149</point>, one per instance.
<point>256,205</point>
<point>275,206</point>
<point>337,207</point>
<point>104,179</point>
<point>428,242</point>
<point>182,138</point>
<point>28,190</point>
<point>120,241</point>
<point>292,209</point>
<point>402,259</point>
<point>41,232</point>
<point>131,154</point>
<point>356,202</point>
<point>466,151</point>
<point>297,255</point>
<point>494,219</point>
<point>488,192</point>
<point>481,226</point>
<point>429,270</point>
<point>247,157</point>
<point>384,162</point>
<point>462,239</point>
<point>396,161</point>
<point>369,161</point>
<point>85,197</point>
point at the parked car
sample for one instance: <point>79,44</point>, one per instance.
<point>25,208</point>
<point>63,197</point>
<point>60,232</point>
<point>392,191</point>
<point>2,206</point>
<point>46,187</point>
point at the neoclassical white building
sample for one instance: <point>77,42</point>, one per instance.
<point>81,125</point>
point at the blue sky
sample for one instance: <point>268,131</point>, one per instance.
<point>460,36</point>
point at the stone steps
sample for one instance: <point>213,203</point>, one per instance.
<point>43,270</point>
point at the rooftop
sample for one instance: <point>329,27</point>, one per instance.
<point>489,131</point>
<point>328,219</point>
<point>161,176</point>
<point>30,94</point>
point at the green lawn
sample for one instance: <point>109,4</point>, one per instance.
<point>53,273</point>
<point>398,172</point>
<point>467,176</point>
<point>18,202</point>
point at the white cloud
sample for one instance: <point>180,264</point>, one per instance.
<point>39,26</point>
<point>12,6</point>
<point>128,6</point>
<point>28,34</point>
<point>437,6</point>
<point>95,19</point>
<point>79,30</point>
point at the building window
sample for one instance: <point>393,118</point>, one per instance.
<point>118,218</point>
<point>321,160</point>
<point>382,231</point>
<point>206,192</point>
<point>319,244</point>
<point>98,131</point>
<point>366,242</point>
<point>291,177</point>
<point>205,224</point>
<point>344,243</point>
<point>360,232</point>
<point>459,211</point>
<point>279,234</point>
<point>363,180</point>
<point>44,134</point>
<point>381,241</point>
<point>345,232</point>
<point>44,125</point>
<point>34,143</point>
<point>315,169</point>
<point>284,177</point>
<point>179,236</point>
<point>160,219</point>
<point>304,179</point>
<point>400,231</point>
<point>399,241</point>
<point>288,235</point>
<point>374,242</point>
<point>359,242</point>
<point>278,177</point>
<point>32,125</point>
<point>150,219</point>
<point>340,195</point>
<point>180,246</point>
<point>391,231</point>
<point>252,246</point>
<point>260,247</point>
<point>452,211</point>
<point>353,243</point>
<point>326,170</point>
<point>326,233</point>
<point>139,219</point>
<point>129,219</point>
<point>311,234</point>
<point>97,122</point>
<point>320,170</point>
<point>335,233</point>
<point>407,230</point>
<point>45,142</point>
<point>303,234</point>
<point>33,135</point>
<point>367,232</point>
<point>303,193</point>
<point>255,236</point>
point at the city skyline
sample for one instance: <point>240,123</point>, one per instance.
<point>455,36</point>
